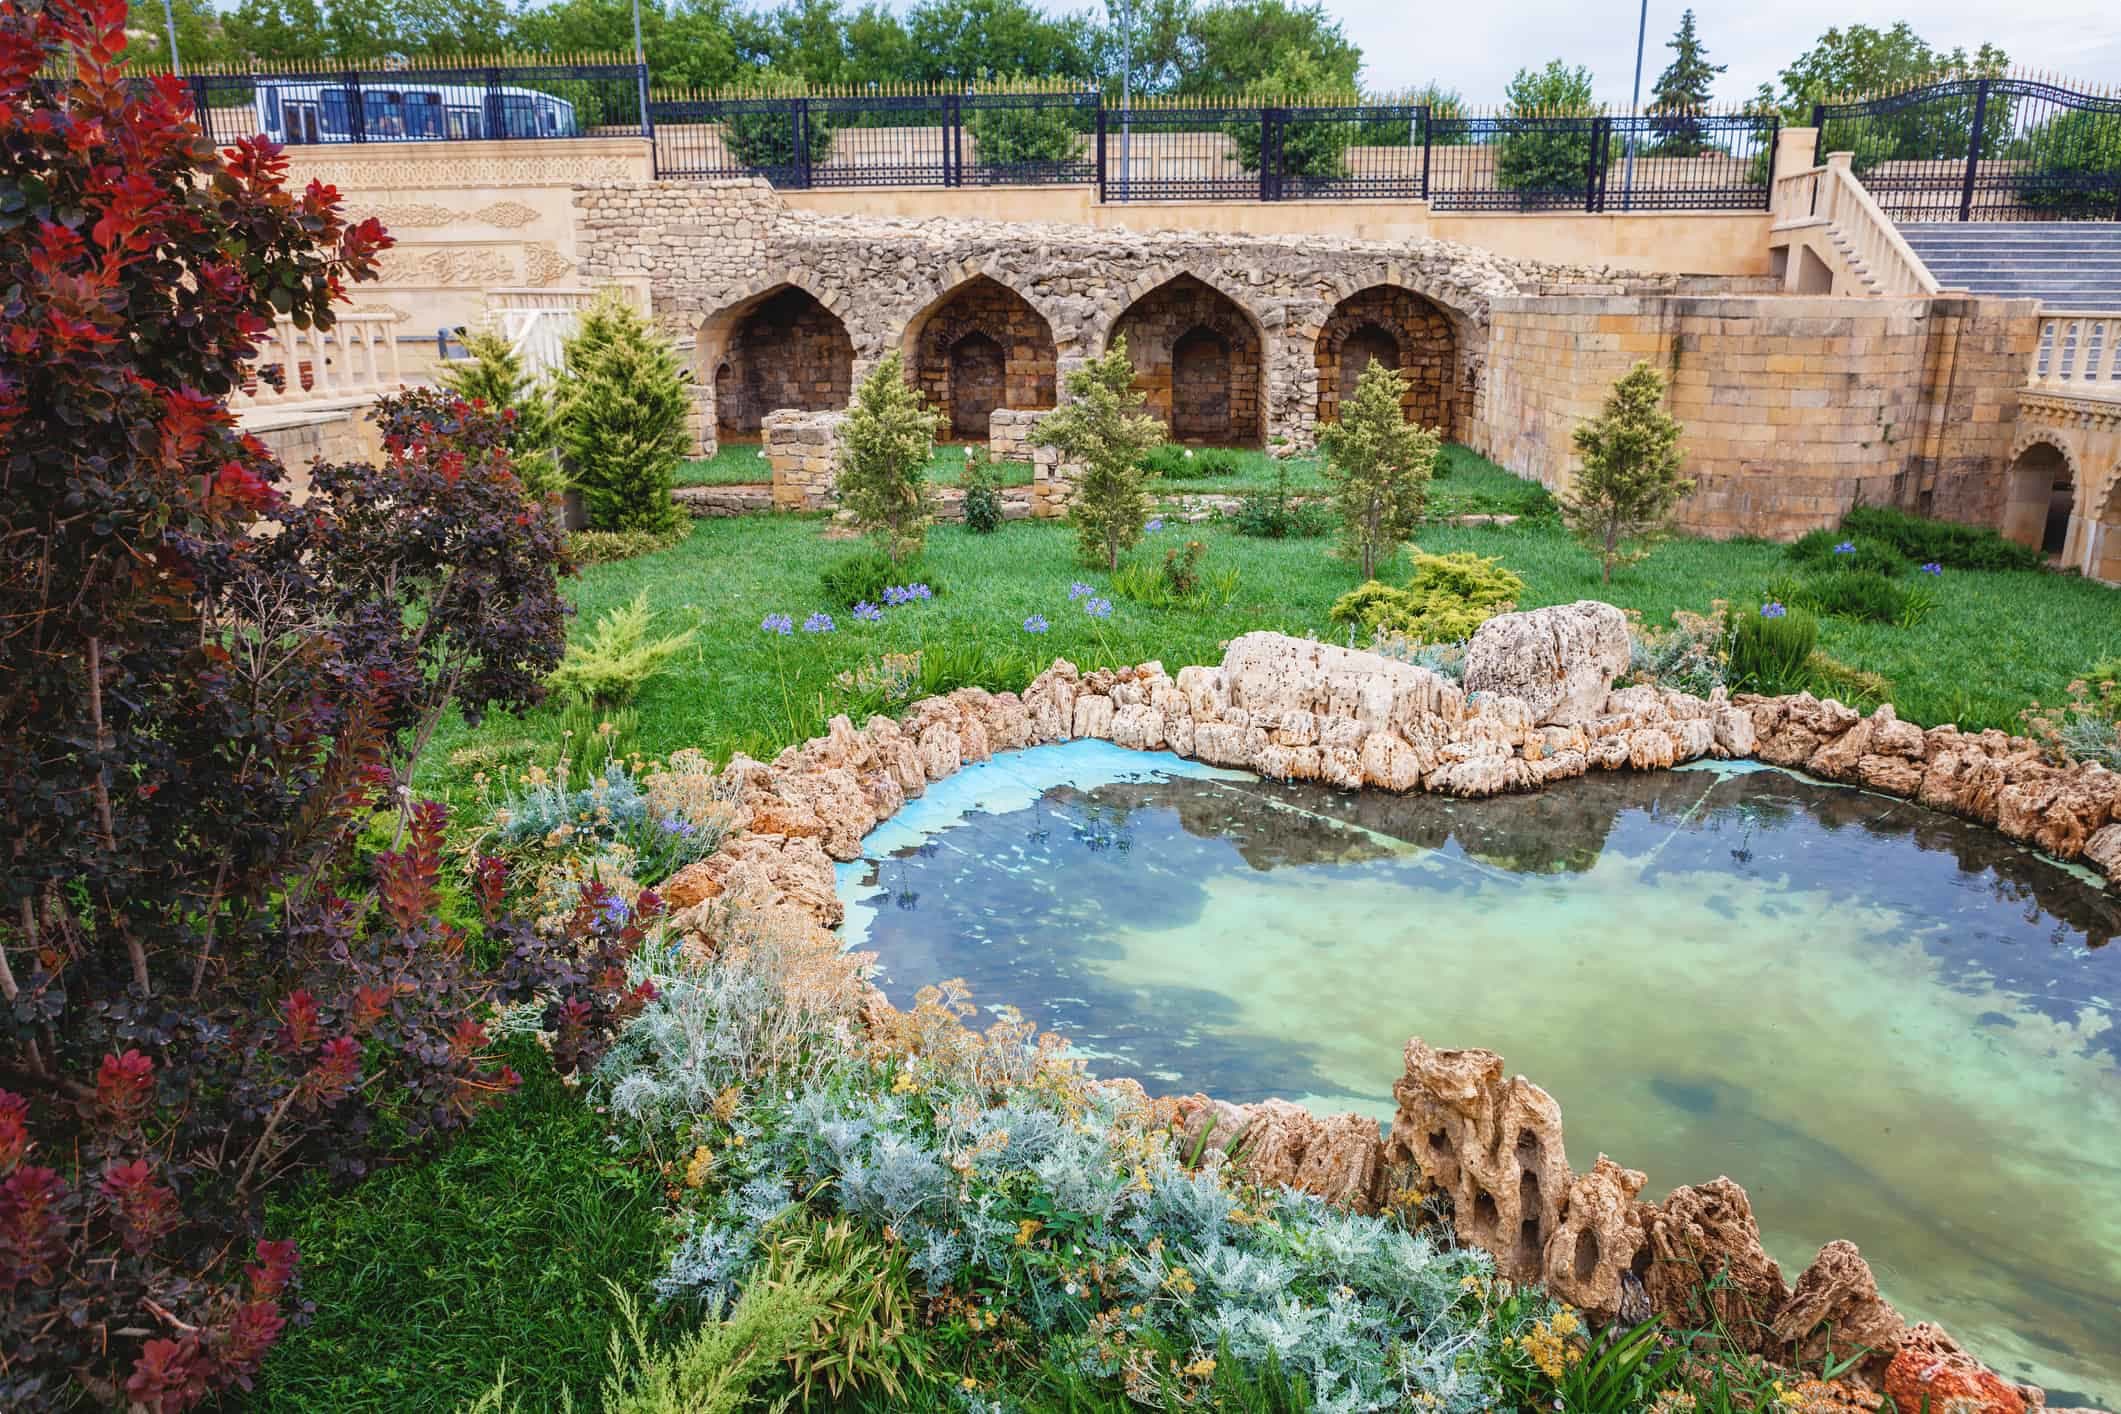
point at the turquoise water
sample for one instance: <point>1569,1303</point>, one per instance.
<point>1889,1025</point>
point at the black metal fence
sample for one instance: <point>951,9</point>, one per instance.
<point>1154,150</point>
<point>423,104</point>
<point>1983,149</point>
<point>881,140</point>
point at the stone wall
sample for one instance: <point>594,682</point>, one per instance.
<point>1009,434</point>
<point>1794,408</point>
<point>788,351</point>
<point>802,448</point>
<point>1402,330</point>
<point>982,349</point>
<point>709,249</point>
<point>2069,443</point>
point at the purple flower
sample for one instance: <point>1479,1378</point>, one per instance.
<point>677,825</point>
<point>894,595</point>
<point>919,591</point>
<point>1079,590</point>
<point>1933,568</point>
<point>615,910</point>
<point>1155,525</point>
<point>778,623</point>
<point>1772,611</point>
<point>868,613</point>
<point>819,622</point>
<point>1035,624</point>
<point>1098,608</point>
<point>1846,547</point>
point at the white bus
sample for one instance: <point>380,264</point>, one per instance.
<point>307,110</point>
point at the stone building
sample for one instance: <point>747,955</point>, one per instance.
<point>1805,385</point>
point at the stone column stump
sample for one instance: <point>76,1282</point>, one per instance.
<point>803,448</point>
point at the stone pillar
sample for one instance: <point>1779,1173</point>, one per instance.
<point>1052,482</point>
<point>1009,433</point>
<point>803,450</point>
<point>1793,150</point>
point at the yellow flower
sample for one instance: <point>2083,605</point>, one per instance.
<point>967,1382</point>
<point>702,1164</point>
<point>1201,1368</point>
<point>1565,1322</point>
<point>1025,1231</point>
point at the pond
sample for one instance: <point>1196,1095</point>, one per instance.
<point>1890,1025</point>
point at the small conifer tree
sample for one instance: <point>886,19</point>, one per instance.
<point>1103,429</point>
<point>1622,501</point>
<point>885,444</point>
<point>1378,465</point>
<point>622,417</point>
<point>494,376</point>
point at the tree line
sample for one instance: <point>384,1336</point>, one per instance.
<point>1180,48</point>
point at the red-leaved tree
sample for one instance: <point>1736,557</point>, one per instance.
<point>204,987</point>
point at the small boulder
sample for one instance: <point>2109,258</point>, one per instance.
<point>1560,661</point>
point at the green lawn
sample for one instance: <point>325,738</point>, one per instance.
<point>429,1277</point>
<point>741,464</point>
<point>1996,642</point>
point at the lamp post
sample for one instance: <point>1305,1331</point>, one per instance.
<point>1126,96</point>
<point>1627,180</point>
<point>640,70</point>
<point>169,17</point>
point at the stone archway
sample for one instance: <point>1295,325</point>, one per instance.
<point>2040,498</point>
<point>779,349</point>
<point>1197,357</point>
<point>1396,325</point>
<point>980,347</point>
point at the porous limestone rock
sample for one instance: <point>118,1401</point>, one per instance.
<point>1278,1142</point>
<point>1495,1148</point>
<point>1597,1216</point>
<point>2103,852</point>
<point>1834,1313</point>
<point>1559,661</point>
<point>1093,716</point>
<point>1707,1265</point>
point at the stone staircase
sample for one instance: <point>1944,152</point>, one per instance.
<point>2066,265</point>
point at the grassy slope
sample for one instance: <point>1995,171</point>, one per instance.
<point>427,1278</point>
<point>1996,642</point>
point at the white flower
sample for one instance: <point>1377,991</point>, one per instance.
<point>1073,1290</point>
<point>1189,451</point>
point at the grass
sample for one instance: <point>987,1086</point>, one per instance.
<point>739,464</point>
<point>1995,642</point>
<point>426,1278</point>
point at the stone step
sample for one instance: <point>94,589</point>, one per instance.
<point>2065,265</point>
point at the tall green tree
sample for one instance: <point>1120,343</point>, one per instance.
<point>1860,60</point>
<point>1682,93</point>
<point>1103,430</point>
<point>694,43</point>
<point>1236,45</point>
<point>963,41</point>
<point>622,418</point>
<point>1542,160</point>
<point>492,374</point>
<point>1378,464</point>
<point>201,39</point>
<point>885,444</point>
<point>1622,501</point>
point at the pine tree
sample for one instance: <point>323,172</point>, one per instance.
<point>622,416</point>
<point>1682,93</point>
<point>1379,465</point>
<point>885,444</point>
<point>494,376</point>
<point>1622,500</point>
<point>1102,429</point>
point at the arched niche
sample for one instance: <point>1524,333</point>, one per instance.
<point>981,346</point>
<point>780,349</point>
<point>1197,357</point>
<point>1396,325</point>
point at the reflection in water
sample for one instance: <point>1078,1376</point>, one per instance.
<point>1890,1025</point>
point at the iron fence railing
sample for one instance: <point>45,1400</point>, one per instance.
<point>1163,149</point>
<point>1983,149</point>
<point>881,140</point>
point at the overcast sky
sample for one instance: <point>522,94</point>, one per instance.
<point>1475,45</point>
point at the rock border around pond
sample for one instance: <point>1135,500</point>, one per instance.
<point>1538,708</point>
